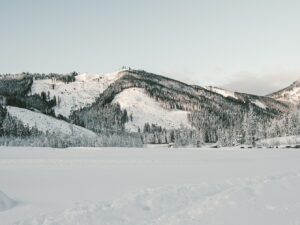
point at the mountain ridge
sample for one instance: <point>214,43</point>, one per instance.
<point>289,94</point>
<point>154,106</point>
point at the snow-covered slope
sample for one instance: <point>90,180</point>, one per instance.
<point>77,94</point>
<point>290,94</point>
<point>145,109</point>
<point>49,124</point>
<point>256,100</point>
<point>225,93</point>
<point>259,104</point>
<point>6,202</point>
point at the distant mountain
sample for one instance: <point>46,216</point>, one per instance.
<point>290,94</point>
<point>170,104</point>
<point>130,101</point>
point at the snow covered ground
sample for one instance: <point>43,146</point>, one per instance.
<point>280,141</point>
<point>150,186</point>
<point>6,202</point>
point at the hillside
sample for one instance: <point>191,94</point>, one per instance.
<point>74,95</point>
<point>144,109</point>
<point>223,92</point>
<point>159,109</point>
<point>259,101</point>
<point>290,94</point>
<point>47,124</point>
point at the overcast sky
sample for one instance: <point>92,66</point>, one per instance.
<point>248,46</point>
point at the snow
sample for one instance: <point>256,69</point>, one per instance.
<point>290,94</point>
<point>151,186</point>
<point>74,95</point>
<point>227,93</point>
<point>280,141</point>
<point>145,109</point>
<point>222,92</point>
<point>48,124</point>
<point>259,104</point>
<point>6,202</point>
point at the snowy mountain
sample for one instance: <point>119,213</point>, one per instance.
<point>129,101</point>
<point>290,94</point>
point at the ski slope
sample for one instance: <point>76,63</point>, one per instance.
<point>145,109</point>
<point>150,186</point>
<point>78,94</point>
<point>49,124</point>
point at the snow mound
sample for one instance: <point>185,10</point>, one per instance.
<point>48,124</point>
<point>6,202</point>
<point>74,95</point>
<point>145,109</point>
<point>222,92</point>
<point>270,200</point>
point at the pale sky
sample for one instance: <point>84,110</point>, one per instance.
<point>245,45</point>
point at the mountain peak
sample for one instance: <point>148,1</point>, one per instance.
<point>290,94</point>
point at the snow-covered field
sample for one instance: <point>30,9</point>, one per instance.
<point>149,186</point>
